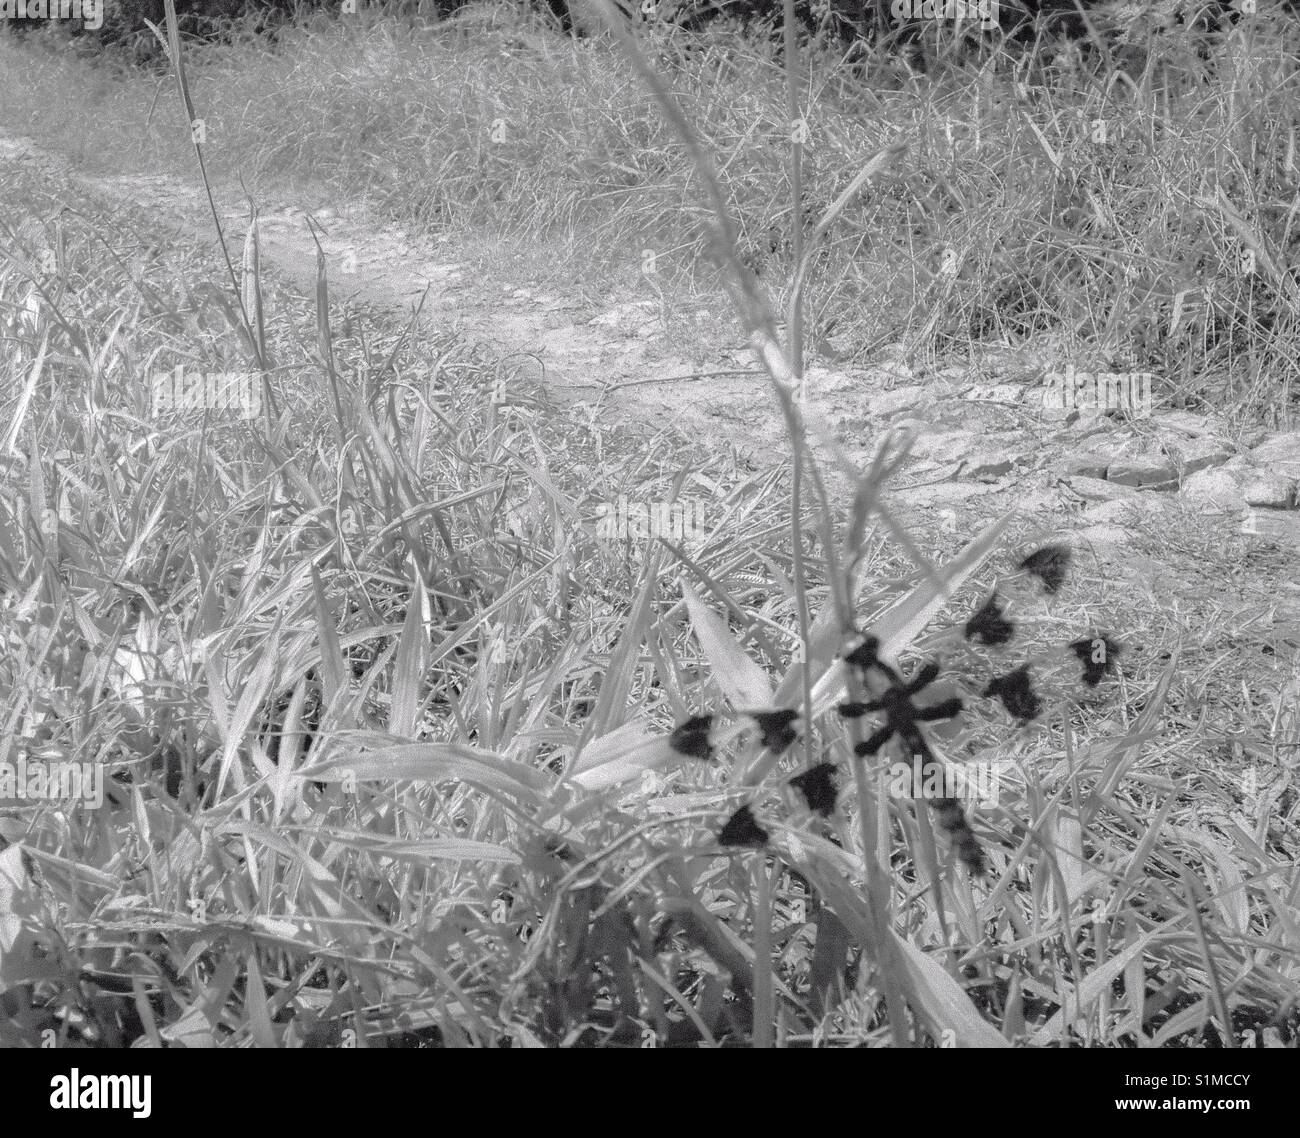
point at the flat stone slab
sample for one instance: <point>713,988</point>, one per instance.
<point>1145,473</point>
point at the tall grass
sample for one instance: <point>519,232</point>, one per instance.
<point>1135,215</point>
<point>387,714</point>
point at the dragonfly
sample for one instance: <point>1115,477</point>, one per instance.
<point>902,710</point>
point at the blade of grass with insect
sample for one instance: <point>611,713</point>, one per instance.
<point>757,318</point>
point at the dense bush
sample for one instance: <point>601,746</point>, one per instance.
<point>124,27</point>
<point>924,30</point>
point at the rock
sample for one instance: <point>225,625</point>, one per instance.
<point>1271,491</point>
<point>1238,484</point>
<point>1281,526</point>
<point>1102,438</point>
<point>1187,423</point>
<point>987,466</point>
<point>1150,472</point>
<point>1221,488</point>
<point>1193,454</point>
<point>1087,464</point>
<point>1084,421</point>
<point>1280,454</point>
<point>1095,490</point>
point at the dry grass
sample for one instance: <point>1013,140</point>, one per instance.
<point>385,711</point>
<point>1140,218</point>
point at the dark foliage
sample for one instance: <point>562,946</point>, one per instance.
<point>903,27</point>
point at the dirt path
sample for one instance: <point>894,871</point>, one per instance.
<point>985,444</point>
<point>611,361</point>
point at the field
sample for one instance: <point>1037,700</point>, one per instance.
<point>446,465</point>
